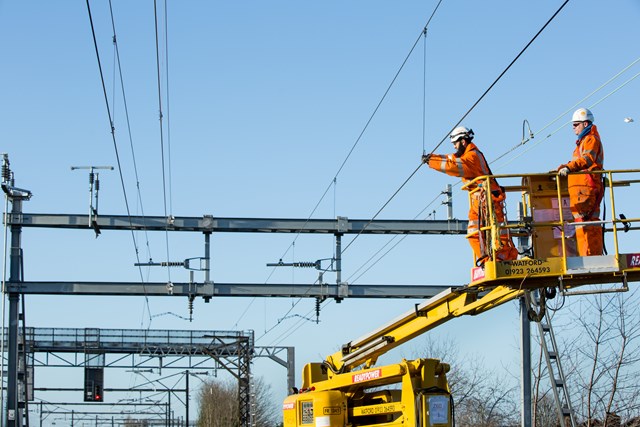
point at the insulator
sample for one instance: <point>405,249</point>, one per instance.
<point>191,298</point>
<point>6,173</point>
<point>171,264</point>
<point>304,264</point>
<point>318,301</point>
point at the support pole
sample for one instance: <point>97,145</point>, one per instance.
<point>13,416</point>
<point>291,368</point>
<point>525,326</point>
<point>525,342</point>
<point>186,404</point>
<point>207,257</point>
<point>449,203</point>
<point>338,258</point>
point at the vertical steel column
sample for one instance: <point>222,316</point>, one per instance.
<point>187,399</point>
<point>525,326</point>
<point>14,416</point>
<point>291,368</point>
<point>168,421</point>
<point>245,351</point>
<point>525,341</point>
<point>338,258</point>
<point>207,256</point>
<point>449,203</point>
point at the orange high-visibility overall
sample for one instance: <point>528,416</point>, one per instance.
<point>472,164</point>
<point>586,191</point>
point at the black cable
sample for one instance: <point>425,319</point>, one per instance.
<point>113,135</point>
<point>459,121</point>
<point>443,139</point>
<point>501,74</point>
<point>382,208</point>
<point>333,180</point>
<point>166,58</point>
<point>366,126</point>
<point>133,156</point>
<point>164,179</point>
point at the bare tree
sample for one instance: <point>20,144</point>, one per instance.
<point>606,357</point>
<point>482,397</point>
<point>266,411</point>
<point>218,401</point>
<point>218,404</point>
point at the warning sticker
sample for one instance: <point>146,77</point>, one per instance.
<point>633,260</point>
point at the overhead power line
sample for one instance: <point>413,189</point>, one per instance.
<point>366,126</point>
<point>301,321</point>
<point>459,121</point>
<point>113,135</point>
<point>501,74</point>
<point>509,151</point>
<point>162,150</point>
<point>443,139</point>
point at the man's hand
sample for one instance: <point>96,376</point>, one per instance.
<point>563,171</point>
<point>425,158</point>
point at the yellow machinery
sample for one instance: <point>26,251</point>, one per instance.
<point>347,390</point>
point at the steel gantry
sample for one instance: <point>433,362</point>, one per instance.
<point>232,351</point>
<point>16,286</point>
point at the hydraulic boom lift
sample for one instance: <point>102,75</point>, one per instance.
<point>348,390</point>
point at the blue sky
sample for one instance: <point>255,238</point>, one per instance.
<point>265,101</point>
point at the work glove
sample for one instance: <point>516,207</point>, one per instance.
<point>563,171</point>
<point>425,158</point>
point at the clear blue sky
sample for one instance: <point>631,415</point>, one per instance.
<point>265,101</point>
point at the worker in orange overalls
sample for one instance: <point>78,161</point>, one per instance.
<point>585,190</point>
<point>469,163</point>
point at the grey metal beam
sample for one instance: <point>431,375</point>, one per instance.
<point>211,224</point>
<point>208,290</point>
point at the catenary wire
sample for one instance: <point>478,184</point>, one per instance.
<point>168,106</point>
<point>424,92</point>
<point>501,74</point>
<point>133,157</point>
<point>396,237</point>
<point>445,137</point>
<point>540,141</point>
<point>459,121</point>
<point>509,161</point>
<point>353,147</point>
<point>293,305</point>
<point>162,150</point>
<point>301,321</point>
<point>366,126</point>
<point>115,144</point>
<point>524,141</point>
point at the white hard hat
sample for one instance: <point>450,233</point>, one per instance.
<point>581,115</point>
<point>461,132</point>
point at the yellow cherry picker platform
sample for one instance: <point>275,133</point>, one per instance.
<point>348,390</point>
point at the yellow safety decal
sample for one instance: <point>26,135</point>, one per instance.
<point>529,266</point>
